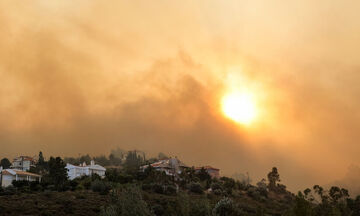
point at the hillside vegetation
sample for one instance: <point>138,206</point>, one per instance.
<point>126,191</point>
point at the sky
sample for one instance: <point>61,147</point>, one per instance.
<point>84,76</point>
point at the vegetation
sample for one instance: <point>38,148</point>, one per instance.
<point>5,163</point>
<point>126,190</point>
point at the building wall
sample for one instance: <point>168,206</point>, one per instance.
<point>213,173</point>
<point>21,165</point>
<point>98,172</point>
<point>75,172</point>
<point>7,180</point>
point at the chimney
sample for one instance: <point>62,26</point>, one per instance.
<point>92,162</point>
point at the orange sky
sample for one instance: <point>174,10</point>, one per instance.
<point>88,76</point>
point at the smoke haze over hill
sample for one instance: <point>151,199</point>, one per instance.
<point>87,76</point>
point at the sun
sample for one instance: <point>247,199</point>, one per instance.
<point>239,107</point>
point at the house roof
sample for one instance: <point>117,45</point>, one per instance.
<point>23,158</point>
<point>167,163</point>
<point>207,168</point>
<point>97,167</point>
<point>18,172</point>
<point>94,167</point>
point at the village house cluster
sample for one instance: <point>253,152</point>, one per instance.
<point>19,171</point>
<point>21,166</point>
<point>174,167</point>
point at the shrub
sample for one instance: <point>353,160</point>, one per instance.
<point>80,187</point>
<point>146,187</point>
<point>100,186</point>
<point>218,192</point>
<point>35,186</point>
<point>254,193</point>
<point>86,182</point>
<point>216,186</point>
<point>129,202</point>
<point>195,187</point>
<point>73,184</point>
<point>158,188</point>
<point>170,190</point>
<point>226,207</point>
<point>9,190</point>
<point>200,207</point>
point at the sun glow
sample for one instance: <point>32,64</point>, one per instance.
<point>239,107</point>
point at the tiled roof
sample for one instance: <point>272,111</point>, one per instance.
<point>206,167</point>
<point>24,158</point>
<point>18,172</point>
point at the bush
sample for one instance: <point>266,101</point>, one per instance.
<point>158,188</point>
<point>218,192</point>
<point>226,207</point>
<point>195,187</point>
<point>146,187</point>
<point>254,193</point>
<point>35,186</point>
<point>73,184</point>
<point>9,190</point>
<point>200,207</point>
<point>86,182</point>
<point>170,190</point>
<point>101,187</point>
<point>216,186</point>
<point>80,187</point>
<point>128,203</point>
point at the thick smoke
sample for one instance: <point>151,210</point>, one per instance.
<point>87,77</point>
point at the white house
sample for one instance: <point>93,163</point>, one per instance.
<point>23,163</point>
<point>85,170</point>
<point>213,172</point>
<point>171,166</point>
<point>9,175</point>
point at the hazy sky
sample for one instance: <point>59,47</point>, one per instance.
<point>88,76</point>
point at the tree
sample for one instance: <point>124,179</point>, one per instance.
<point>85,158</point>
<point>133,162</point>
<point>127,203</point>
<point>41,166</point>
<point>102,160</point>
<point>203,174</point>
<point>118,153</point>
<point>273,178</point>
<point>162,156</point>
<point>41,160</point>
<point>302,205</point>
<point>57,172</point>
<point>226,207</point>
<point>114,160</point>
<point>5,163</point>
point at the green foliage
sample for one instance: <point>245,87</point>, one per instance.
<point>100,186</point>
<point>57,173</point>
<point>302,206</point>
<point>42,166</point>
<point>200,207</point>
<point>133,162</point>
<point>127,202</point>
<point>5,163</point>
<point>226,207</point>
<point>115,175</point>
<point>102,160</point>
<point>203,175</point>
<point>170,190</point>
<point>273,178</point>
<point>228,184</point>
<point>195,187</point>
<point>41,160</point>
